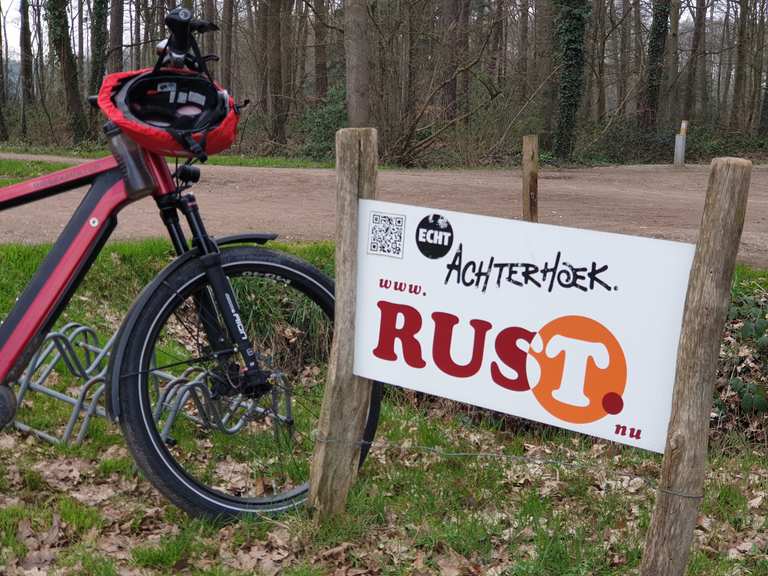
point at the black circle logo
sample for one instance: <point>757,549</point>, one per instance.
<point>434,236</point>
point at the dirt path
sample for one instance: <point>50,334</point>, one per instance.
<point>653,201</point>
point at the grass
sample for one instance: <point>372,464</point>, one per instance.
<point>13,171</point>
<point>220,160</point>
<point>412,510</point>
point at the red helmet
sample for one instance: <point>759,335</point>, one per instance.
<point>174,112</point>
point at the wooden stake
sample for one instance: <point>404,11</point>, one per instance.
<point>531,178</point>
<point>669,539</point>
<point>347,397</point>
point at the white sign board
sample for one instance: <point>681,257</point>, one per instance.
<point>573,328</point>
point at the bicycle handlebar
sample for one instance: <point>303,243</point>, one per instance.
<point>181,24</point>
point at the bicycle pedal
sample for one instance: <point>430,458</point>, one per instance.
<point>7,406</point>
<point>170,442</point>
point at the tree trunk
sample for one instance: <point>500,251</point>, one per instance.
<point>3,94</point>
<point>673,60</point>
<point>450,23</point>
<point>465,7</point>
<point>80,41</point>
<point>545,11</point>
<point>740,78</point>
<point>637,53</point>
<point>321,50</point>
<point>25,47</point>
<point>657,40</point>
<point>697,50</point>
<point>62,47</point>
<point>3,128</point>
<point>358,76</point>
<point>227,17</point>
<point>136,51</point>
<point>762,129</point>
<point>277,99</point>
<point>209,39</point>
<point>624,67</point>
<point>289,53</point>
<point>725,62</point>
<point>600,41</point>
<point>263,22</point>
<point>98,44</point>
<point>571,26</point>
<point>115,61</point>
<point>757,69</point>
<point>522,47</point>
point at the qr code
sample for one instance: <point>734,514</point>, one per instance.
<point>385,234</point>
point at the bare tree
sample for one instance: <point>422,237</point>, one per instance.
<point>695,60</point>
<point>227,18</point>
<point>62,46</point>
<point>98,44</point>
<point>25,49</point>
<point>115,60</point>
<point>277,99</point>
<point>209,40</point>
<point>358,75</point>
<point>740,76</point>
<point>321,50</point>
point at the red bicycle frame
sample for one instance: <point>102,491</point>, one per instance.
<point>50,289</point>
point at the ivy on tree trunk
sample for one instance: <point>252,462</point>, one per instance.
<point>99,41</point>
<point>657,41</point>
<point>62,46</point>
<point>570,27</point>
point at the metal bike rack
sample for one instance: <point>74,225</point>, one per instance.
<point>76,350</point>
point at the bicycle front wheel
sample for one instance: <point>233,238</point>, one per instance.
<point>210,447</point>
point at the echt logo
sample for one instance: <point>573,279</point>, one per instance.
<point>574,365</point>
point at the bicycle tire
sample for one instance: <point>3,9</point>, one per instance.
<point>151,334</point>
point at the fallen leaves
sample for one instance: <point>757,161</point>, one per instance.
<point>63,474</point>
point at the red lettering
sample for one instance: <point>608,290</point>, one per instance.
<point>389,332</point>
<point>441,345</point>
<point>511,355</point>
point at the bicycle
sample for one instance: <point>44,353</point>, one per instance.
<point>216,374</point>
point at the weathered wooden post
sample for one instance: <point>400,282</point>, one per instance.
<point>531,178</point>
<point>669,539</point>
<point>680,145</point>
<point>347,397</point>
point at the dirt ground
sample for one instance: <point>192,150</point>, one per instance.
<point>655,201</point>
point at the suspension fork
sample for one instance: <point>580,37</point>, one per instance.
<point>223,297</point>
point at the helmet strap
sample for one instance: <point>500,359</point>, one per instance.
<point>189,143</point>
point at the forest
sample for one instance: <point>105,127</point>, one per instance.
<point>449,82</point>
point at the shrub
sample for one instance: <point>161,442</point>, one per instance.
<point>320,123</point>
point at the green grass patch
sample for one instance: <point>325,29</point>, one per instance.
<point>14,171</point>
<point>219,160</point>
<point>79,517</point>
<point>266,162</point>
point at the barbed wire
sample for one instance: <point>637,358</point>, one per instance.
<point>385,444</point>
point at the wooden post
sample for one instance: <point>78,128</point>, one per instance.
<point>531,178</point>
<point>680,144</point>
<point>347,397</point>
<point>681,489</point>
